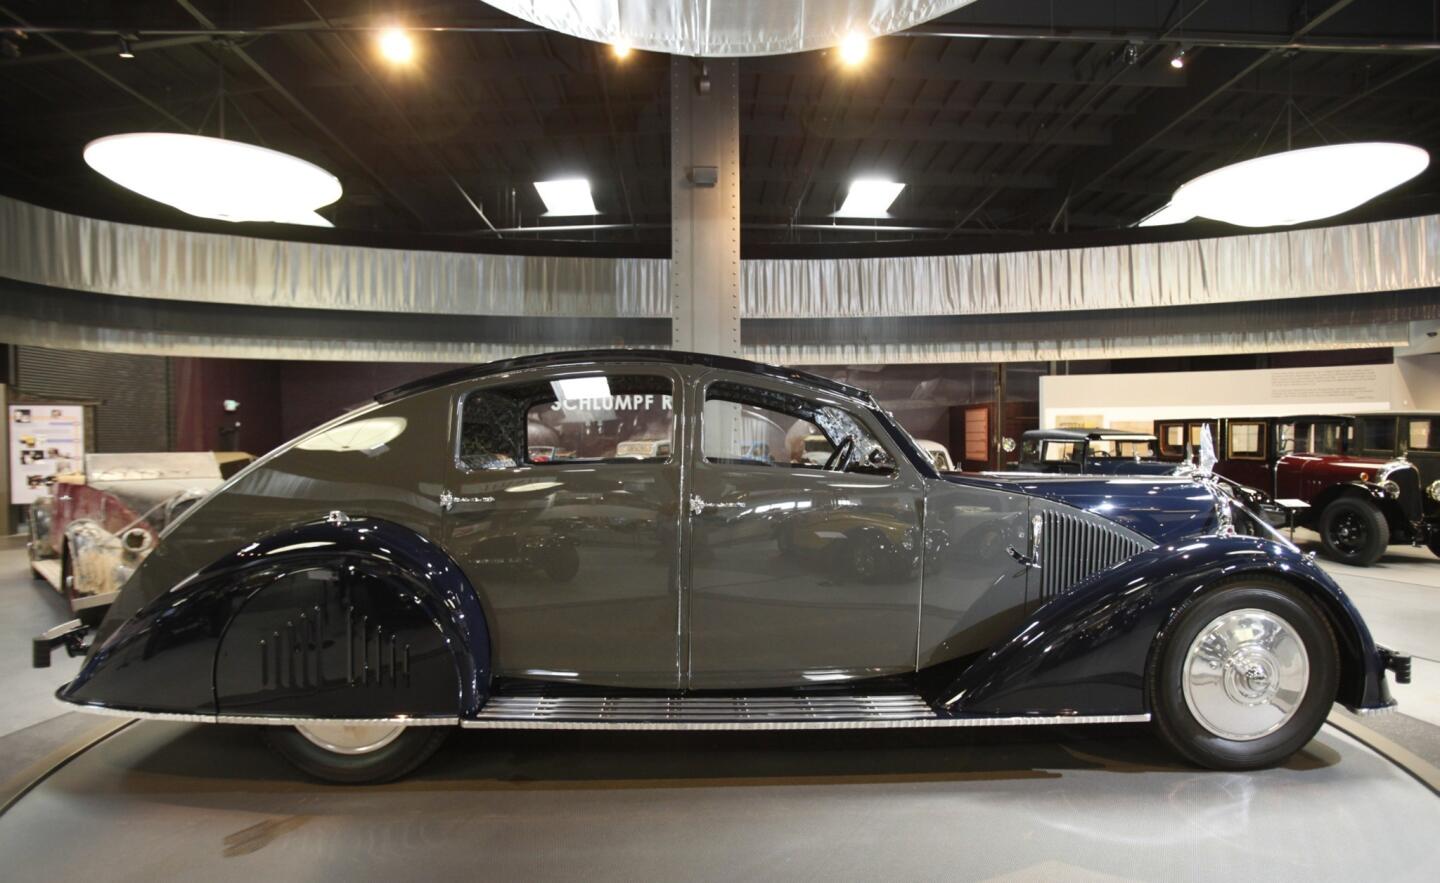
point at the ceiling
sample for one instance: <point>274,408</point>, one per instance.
<point>1008,120</point>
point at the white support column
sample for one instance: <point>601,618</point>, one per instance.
<point>705,205</point>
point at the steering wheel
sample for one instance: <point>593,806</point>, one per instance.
<point>840,457</point>
<point>1100,455</point>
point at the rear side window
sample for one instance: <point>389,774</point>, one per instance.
<point>594,418</point>
<point>1423,434</point>
<point>1172,438</point>
<point>1246,440</point>
<point>1377,435</point>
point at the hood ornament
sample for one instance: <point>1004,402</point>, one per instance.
<point>1207,451</point>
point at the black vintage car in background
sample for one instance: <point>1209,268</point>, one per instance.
<point>1090,451</point>
<point>426,562</point>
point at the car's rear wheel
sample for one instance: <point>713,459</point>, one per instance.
<point>355,754</point>
<point>1354,532</point>
<point>1246,675</point>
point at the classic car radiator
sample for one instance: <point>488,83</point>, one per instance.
<point>1073,546</point>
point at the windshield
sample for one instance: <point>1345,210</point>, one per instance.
<point>1126,448</point>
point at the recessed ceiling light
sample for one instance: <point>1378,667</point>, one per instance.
<point>396,46</point>
<point>568,196</point>
<point>1294,186</point>
<point>869,198</point>
<point>854,48</point>
<point>1177,60</point>
<point>216,178</point>
<point>125,50</point>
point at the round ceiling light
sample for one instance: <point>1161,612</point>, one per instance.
<point>216,178</point>
<point>1294,186</point>
<point>706,29</point>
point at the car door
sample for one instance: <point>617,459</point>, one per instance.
<point>573,550</point>
<point>798,575</point>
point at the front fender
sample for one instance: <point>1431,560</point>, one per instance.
<point>295,623</point>
<point>1088,651</point>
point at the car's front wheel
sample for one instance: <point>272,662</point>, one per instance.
<point>355,754</point>
<point>1354,532</point>
<point>1246,675</point>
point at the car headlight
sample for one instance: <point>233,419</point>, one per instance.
<point>1434,490</point>
<point>1392,488</point>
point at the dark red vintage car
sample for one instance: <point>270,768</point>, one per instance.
<point>94,528</point>
<point>1317,468</point>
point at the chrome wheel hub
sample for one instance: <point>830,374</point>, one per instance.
<point>1245,674</point>
<point>350,738</point>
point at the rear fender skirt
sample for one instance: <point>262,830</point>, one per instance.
<point>247,627</point>
<point>1087,651</point>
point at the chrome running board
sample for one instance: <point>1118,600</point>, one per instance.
<point>815,712</point>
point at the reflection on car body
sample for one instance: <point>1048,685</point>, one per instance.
<point>357,601</point>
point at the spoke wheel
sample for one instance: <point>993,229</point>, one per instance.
<point>1354,531</point>
<point>1246,674</point>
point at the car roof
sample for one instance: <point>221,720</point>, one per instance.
<point>1096,433</point>
<point>671,357</point>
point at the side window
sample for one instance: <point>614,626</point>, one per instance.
<point>1424,434</point>
<point>1246,440</point>
<point>744,425</point>
<point>1377,435</point>
<point>593,419</point>
<point>1172,438</point>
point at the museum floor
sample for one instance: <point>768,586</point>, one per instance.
<point>153,800</point>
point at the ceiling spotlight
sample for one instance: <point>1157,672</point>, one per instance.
<point>1177,60</point>
<point>620,50</point>
<point>1294,186</point>
<point>853,49</point>
<point>125,51</point>
<point>568,196</point>
<point>869,198</point>
<point>396,46</point>
<point>216,178</point>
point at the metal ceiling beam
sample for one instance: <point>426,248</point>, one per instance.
<point>304,111</point>
<point>894,130</point>
<point>1213,74</point>
<point>65,50</point>
<point>1058,71</point>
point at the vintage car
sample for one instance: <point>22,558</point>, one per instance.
<point>91,531</point>
<point>341,591</point>
<point>1351,484</point>
<point>938,454</point>
<point>1090,451</point>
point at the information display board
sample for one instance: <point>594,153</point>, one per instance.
<point>45,441</point>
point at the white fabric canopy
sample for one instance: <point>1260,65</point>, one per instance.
<point>721,28</point>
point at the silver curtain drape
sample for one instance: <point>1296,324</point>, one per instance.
<point>85,254</point>
<point>133,263</point>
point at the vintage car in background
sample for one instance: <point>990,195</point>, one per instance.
<point>93,529</point>
<point>1090,451</point>
<point>1348,478</point>
<point>361,600</point>
<point>938,454</point>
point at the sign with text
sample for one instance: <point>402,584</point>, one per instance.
<point>45,441</point>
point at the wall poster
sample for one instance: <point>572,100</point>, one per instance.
<point>45,441</point>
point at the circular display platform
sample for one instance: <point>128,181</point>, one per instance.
<point>162,800</point>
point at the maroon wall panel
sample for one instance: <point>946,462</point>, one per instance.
<point>200,387</point>
<point>313,392</point>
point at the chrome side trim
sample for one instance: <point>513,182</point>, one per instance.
<point>259,720</point>
<point>498,722</point>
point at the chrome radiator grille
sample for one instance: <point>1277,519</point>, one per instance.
<point>1073,546</point>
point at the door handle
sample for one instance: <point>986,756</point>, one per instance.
<point>698,505</point>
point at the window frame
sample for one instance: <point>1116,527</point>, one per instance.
<point>861,415</point>
<point>551,373</point>
<point>1262,440</point>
